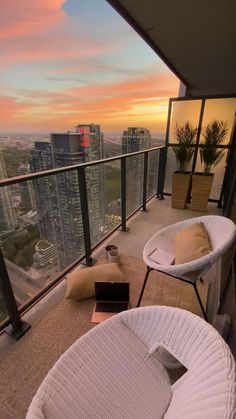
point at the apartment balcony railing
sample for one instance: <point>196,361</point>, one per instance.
<point>141,177</point>
<point>75,216</point>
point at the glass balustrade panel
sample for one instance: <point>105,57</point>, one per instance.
<point>41,231</point>
<point>103,191</point>
<point>220,110</point>
<point>134,182</point>
<point>153,163</point>
<point>218,171</point>
<point>3,312</point>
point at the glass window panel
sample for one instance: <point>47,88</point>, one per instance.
<point>219,172</point>
<point>183,111</point>
<point>220,109</point>
<point>171,167</point>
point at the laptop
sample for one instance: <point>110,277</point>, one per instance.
<point>111,298</point>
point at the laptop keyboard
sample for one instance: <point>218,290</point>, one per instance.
<point>111,307</point>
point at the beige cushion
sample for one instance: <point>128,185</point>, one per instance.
<point>80,282</point>
<point>191,243</point>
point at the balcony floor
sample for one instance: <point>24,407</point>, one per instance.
<point>25,363</point>
<point>144,224</point>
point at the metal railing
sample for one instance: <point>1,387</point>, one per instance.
<point>16,326</point>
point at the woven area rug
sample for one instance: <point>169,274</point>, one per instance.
<point>161,289</point>
<point>23,368</point>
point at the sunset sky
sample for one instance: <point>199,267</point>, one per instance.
<point>77,61</point>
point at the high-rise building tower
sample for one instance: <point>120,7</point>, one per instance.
<point>86,144</point>
<point>26,189</point>
<point>58,197</point>
<point>44,189</point>
<point>135,139</point>
<point>7,214</point>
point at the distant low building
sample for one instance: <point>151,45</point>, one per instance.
<point>30,218</point>
<point>45,254</point>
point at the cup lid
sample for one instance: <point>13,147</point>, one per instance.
<point>111,247</point>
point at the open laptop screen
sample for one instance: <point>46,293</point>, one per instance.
<point>112,291</point>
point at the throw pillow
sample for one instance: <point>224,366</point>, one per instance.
<point>80,282</point>
<point>191,243</point>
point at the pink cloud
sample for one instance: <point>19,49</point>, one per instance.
<point>40,31</point>
<point>23,18</point>
<point>38,37</point>
<point>44,48</point>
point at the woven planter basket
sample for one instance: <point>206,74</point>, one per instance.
<point>201,188</point>
<point>180,188</point>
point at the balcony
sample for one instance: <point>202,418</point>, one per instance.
<point>132,213</point>
<point>57,323</point>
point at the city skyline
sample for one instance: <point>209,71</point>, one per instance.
<point>71,60</point>
<point>58,197</point>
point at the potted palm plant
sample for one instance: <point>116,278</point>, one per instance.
<point>185,136</point>
<point>212,136</point>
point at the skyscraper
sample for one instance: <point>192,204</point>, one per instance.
<point>61,192</point>
<point>7,214</point>
<point>44,189</point>
<point>135,139</point>
<point>26,189</point>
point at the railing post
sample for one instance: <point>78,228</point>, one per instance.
<point>85,216</point>
<point>161,173</point>
<point>18,327</point>
<point>145,169</point>
<point>123,193</point>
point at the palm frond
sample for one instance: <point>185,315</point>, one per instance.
<point>185,136</point>
<point>213,136</point>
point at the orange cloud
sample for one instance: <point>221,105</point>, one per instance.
<point>141,101</point>
<point>116,96</point>
<point>10,108</point>
<point>95,65</point>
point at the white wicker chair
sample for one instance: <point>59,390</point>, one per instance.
<point>222,235</point>
<point>113,371</point>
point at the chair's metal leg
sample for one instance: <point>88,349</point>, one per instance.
<point>200,302</point>
<point>144,285</point>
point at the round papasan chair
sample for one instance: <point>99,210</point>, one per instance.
<point>222,235</point>
<point>113,371</point>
